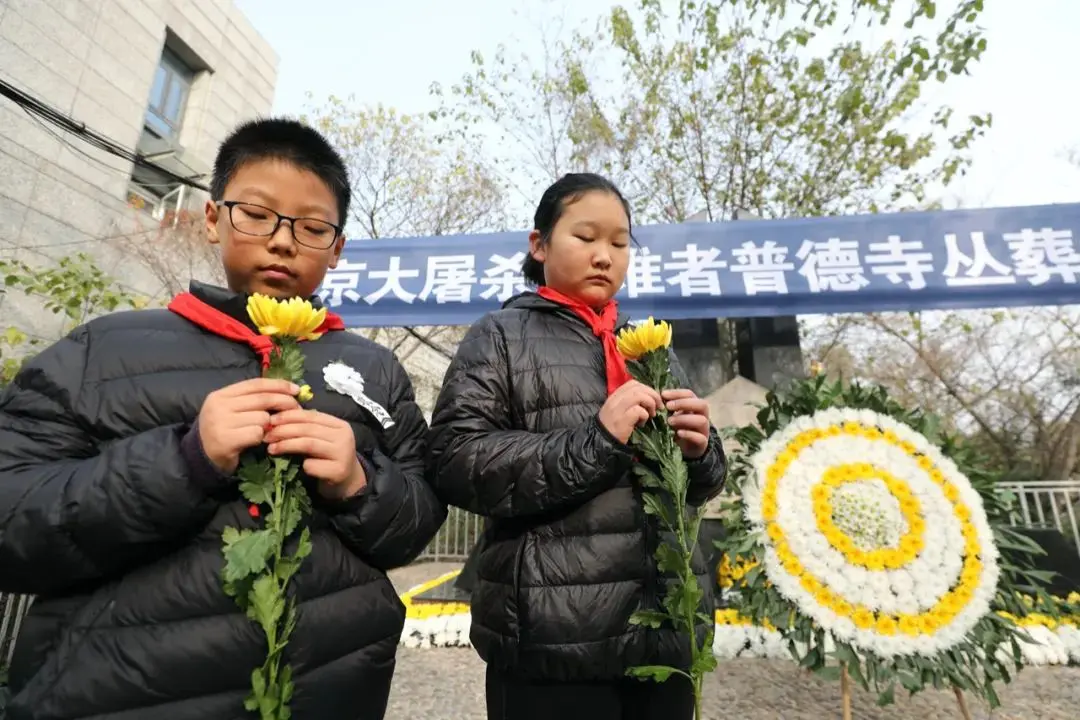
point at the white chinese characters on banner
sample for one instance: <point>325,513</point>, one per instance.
<point>1039,255</point>
<point>450,278</point>
<point>342,283</point>
<point>696,271</point>
<point>982,268</point>
<point>503,278</point>
<point>901,261</point>
<point>764,268</point>
<point>392,277</point>
<point>833,265</point>
<point>646,273</point>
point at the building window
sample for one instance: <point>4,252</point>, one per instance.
<point>168,96</point>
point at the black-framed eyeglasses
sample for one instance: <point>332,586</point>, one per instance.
<point>259,221</point>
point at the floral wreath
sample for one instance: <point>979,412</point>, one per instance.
<point>872,544</point>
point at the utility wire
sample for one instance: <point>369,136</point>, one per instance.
<point>38,109</point>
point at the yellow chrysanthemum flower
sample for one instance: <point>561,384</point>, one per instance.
<point>909,625</point>
<point>294,318</point>
<point>887,625</point>
<point>650,335</point>
<point>305,393</point>
<point>863,618</point>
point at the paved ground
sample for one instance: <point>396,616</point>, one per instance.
<point>448,684</point>
<point>411,576</point>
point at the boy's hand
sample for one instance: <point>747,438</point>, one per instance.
<point>329,445</point>
<point>235,418</point>
<point>690,419</point>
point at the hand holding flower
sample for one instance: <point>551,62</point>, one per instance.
<point>328,445</point>
<point>690,420</point>
<point>232,419</point>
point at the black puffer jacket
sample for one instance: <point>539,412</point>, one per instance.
<point>568,555</point>
<point>112,516</point>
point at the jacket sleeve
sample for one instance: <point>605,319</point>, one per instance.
<point>708,472</point>
<point>480,462</point>
<point>397,513</point>
<point>75,509</point>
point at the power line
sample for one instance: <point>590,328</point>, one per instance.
<point>90,156</point>
<point>38,109</point>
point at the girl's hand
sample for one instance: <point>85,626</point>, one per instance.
<point>627,408</point>
<point>690,419</point>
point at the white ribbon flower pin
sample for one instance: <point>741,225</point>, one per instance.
<point>342,379</point>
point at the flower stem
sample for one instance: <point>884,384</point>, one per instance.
<point>687,539</point>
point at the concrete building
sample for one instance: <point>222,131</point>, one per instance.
<point>165,78</point>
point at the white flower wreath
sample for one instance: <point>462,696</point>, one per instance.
<point>872,532</point>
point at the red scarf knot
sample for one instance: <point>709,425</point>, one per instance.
<point>213,320</point>
<point>602,324</point>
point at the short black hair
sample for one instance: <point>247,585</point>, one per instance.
<point>565,191</point>
<point>282,139</point>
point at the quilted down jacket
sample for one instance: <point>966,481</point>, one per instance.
<point>112,516</point>
<point>568,553</point>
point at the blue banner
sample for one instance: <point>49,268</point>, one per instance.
<point>865,263</point>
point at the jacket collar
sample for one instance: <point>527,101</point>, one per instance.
<point>532,301</point>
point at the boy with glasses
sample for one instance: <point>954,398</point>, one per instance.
<point>119,447</point>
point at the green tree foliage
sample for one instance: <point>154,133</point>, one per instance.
<point>73,288</point>
<point>780,107</point>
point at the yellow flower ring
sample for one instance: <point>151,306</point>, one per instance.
<point>872,532</point>
<point>910,544</point>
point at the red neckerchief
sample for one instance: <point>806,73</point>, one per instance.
<point>210,318</point>
<point>603,326</point>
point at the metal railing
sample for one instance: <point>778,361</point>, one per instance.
<point>1039,505</point>
<point>14,609</point>
<point>456,539</point>
<point>1048,504</point>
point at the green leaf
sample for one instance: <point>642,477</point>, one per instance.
<point>238,589</point>
<point>293,510</point>
<point>288,362</point>
<point>258,695</point>
<point>912,682</point>
<point>649,618</point>
<point>831,673</point>
<point>266,604</point>
<point>291,618</point>
<point>704,663</point>
<point>256,481</point>
<point>286,682</point>
<point>246,552</point>
<point>659,673</point>
<point>268,705</point>
<point>668,559</point>
<point>230,535</point>
<point>303,545</point>
<point>646,476</point>
<point>845,654</point>
<point>1009,539</point>
<point>654,505</point>
<point>811,659</point>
